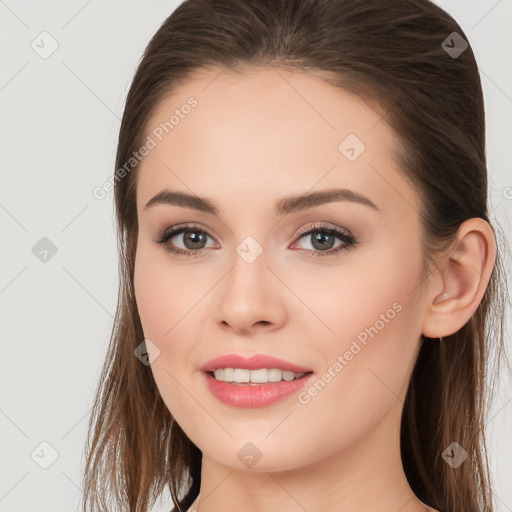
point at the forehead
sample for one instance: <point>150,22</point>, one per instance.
<point>263,133</point>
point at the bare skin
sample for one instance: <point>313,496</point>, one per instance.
<point>253,139</point>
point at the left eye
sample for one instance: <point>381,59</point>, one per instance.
<point>322,239</point>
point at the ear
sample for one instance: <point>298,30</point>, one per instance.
<point>462,280</point>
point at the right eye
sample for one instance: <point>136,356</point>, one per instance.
<point>193,238</point>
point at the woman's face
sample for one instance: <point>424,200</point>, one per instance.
<point>348,309</point>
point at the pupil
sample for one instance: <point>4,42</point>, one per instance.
<point>320,238</point>
<point>194,238</point>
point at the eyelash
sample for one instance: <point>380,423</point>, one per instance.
<point>348,240</point>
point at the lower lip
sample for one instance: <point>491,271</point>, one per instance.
<point>253,396</point>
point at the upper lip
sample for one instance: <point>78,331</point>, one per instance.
<point>252,363</point>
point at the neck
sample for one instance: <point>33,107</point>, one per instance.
<point>368,475</point>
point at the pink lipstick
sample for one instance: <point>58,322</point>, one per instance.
<point>262,380</point>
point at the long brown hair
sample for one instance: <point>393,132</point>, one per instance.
<point>392,55</point>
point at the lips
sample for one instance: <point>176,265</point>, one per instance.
<point>254,362</point>
<point>252,396</point>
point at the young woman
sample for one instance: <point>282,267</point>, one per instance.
<point>310,281</point>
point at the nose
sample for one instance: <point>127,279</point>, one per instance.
<point>251,297</point>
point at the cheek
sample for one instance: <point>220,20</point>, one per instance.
<point>164,292</point>
<point>371,329</point>
<point>367,365</point>
<point>166,296</point>
<point>347,298</point>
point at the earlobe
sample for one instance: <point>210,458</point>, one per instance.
<point>465,272</point>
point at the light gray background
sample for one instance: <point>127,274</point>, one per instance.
<point>59,119</point>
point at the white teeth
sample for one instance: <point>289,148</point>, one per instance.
<point>260,376</point>
<point>275,375</point>
<point>288,375</point>
<point>241,375</point>
<point>228,374</point>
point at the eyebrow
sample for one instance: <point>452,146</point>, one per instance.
<point>282,206</point>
